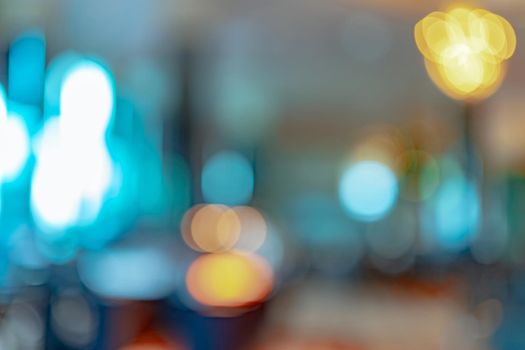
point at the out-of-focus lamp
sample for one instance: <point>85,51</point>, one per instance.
<point>465,51</point>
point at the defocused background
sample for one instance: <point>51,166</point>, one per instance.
<point>241,174</point>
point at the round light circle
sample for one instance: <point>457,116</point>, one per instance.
<point>368,190</point>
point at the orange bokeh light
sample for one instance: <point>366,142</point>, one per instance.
<point>152,341</point>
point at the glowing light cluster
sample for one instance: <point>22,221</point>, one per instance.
<point>232,274</point>
<point>73,169</point>
<point>465,50</point>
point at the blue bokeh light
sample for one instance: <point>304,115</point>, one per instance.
<point>27,59</point>
<point>227,178</point>
<point>368,190</point>
<point>139,272</point>
<point>457,213</point>
<point>452,217</point>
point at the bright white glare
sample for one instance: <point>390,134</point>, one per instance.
<point>55,196</point>
<point>3,116</point>
<point>368,190</point>
<point>14,142</point>
<point>14,147</point>
<point>69,188</point>
<point>74,170</point>
<point>86,100</point>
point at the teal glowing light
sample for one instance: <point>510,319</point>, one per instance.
<point>227,178</point>
<point>452,217</point>
<point>57,71</point>
<point>368,190</point>
<point>27,58</point>
<point>457,213</point>
<point>73,170</point>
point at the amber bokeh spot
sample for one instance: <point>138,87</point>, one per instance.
<point>465,50</point>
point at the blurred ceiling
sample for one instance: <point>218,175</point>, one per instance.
<point>338,53</point>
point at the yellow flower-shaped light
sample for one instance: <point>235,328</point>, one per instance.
<point>465,50</point>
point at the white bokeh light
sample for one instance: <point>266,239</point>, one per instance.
<point>74,169</point>
<point>86,100</point>
<point>14,146</point>
<point>14,142</point>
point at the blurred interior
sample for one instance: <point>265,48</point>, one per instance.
<point>241,174</point>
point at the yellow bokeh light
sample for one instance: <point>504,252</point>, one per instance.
<point>465,50</point>
<point>229,279</point>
